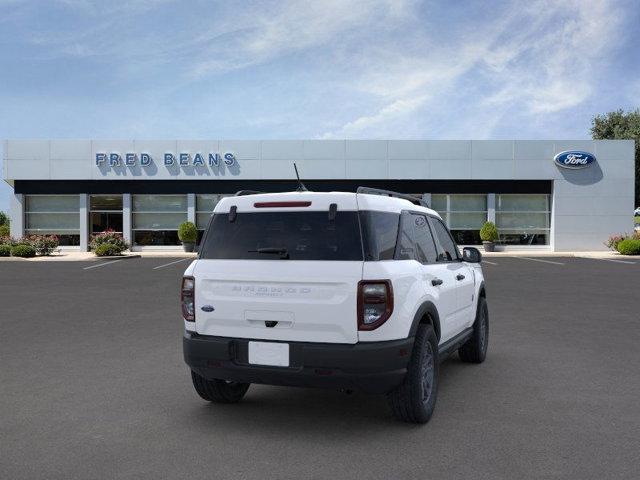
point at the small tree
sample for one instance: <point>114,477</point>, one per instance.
<point>489,232</point>
<point>187,232</point>
<point>620,125</point>
<point>4,218</point>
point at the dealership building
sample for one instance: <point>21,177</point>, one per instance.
<point>547,194</point>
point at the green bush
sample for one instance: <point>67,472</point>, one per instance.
<point>629,246</point>
<point>4,231</point>
<point>108,237</point>
<point>5,250</point>
<point>23,250</point>
<point>187,232</point>
<point>44,244</point>
<point>4,219</point>
<point>489,232</point>
<point>108,250</point>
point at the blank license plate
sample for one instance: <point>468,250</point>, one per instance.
<point>269,353</point>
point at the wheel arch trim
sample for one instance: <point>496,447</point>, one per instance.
<point>427,308</point>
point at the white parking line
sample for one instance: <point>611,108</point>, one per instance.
<point>612,260</point>
<point>171,263</point>
<point>101,264</point>
<point>490,263</point>
<point>540,260</point>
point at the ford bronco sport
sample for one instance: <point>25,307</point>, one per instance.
<point>356,291</point>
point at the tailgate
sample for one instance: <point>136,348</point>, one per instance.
<point>304,301</point>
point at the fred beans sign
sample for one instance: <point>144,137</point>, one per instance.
<point>169,159</point>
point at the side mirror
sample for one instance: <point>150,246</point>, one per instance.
<point>471,255</point>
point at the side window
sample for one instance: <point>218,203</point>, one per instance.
<point>425,246</point>
<point>379,234</point>
<point>405,249</point>
<point>447,250</point>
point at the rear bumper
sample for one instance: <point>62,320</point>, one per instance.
<point>373,367</point>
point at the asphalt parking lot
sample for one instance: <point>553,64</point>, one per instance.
<point>93,385</point>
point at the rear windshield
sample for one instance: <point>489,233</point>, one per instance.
<point>284,235</point>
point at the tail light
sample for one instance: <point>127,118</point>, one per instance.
<point>187,298</point>
<point>375,303</point>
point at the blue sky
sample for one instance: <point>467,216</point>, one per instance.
<point>321,69</point>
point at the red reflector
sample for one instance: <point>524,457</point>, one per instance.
<point>280,204</point>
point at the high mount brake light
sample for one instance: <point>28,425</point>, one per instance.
<point>187,298</point>
<point>375,303</point>
<point>281,204</point>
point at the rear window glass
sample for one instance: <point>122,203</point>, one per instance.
<point>282,235</point>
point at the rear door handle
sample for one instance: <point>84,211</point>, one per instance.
<point>459,277</point>
<point>436,281</point>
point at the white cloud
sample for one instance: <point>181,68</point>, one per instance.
<point>541,58</point>
<point>293,26</point>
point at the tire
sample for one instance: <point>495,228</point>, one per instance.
<point>415,400</point>
<point>474,350</point>
<point>219,391</point>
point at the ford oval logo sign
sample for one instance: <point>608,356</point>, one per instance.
<point>574,159</point>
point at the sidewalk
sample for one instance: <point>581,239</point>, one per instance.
<point>72,255</point>
<point>75,256</point>
<point>547,253</point>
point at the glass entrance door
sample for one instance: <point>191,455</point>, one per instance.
<point>106,213</point>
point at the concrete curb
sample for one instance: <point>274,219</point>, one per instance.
<point>532,254</point>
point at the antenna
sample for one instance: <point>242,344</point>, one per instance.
<point>301,187</point>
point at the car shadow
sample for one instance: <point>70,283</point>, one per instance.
<point>306,411</point>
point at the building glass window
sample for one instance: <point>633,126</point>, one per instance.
<point>156,219</point>
<point>205,204</point>
<point>106,213</point>
<point>464,214</point>
<point>204,208</point>
<point>523,219</point>
<point>54,215</point>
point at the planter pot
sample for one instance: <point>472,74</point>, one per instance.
<point>188,246</point>
<point>489,246</point>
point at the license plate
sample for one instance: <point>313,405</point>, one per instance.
<point>269,353</point>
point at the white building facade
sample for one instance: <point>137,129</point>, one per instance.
<point>552,195</point>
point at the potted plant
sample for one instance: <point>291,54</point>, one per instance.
<point>188,234</point>
<point>489,236</point>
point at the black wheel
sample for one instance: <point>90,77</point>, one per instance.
<point>219,391</point>
<point>475,349</point>
<point>415,400</point>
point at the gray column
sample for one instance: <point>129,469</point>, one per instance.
<point>426,197</point>
<point>552,220</point>
<point>191,207</point>
<point>84,222</point>
<point>17,215</point>
<point>491,207</point>
<point>126,219</point>
<point>446,217</point>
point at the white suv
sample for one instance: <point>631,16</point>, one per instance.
<point>356,291</point>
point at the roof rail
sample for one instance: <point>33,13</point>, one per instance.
<point>241,193</point>
<point>389,193</point>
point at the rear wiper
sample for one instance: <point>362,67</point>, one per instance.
<point>283,252</point>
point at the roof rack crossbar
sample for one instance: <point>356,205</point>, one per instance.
<point>389,193</point>
<point>241,193</point>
